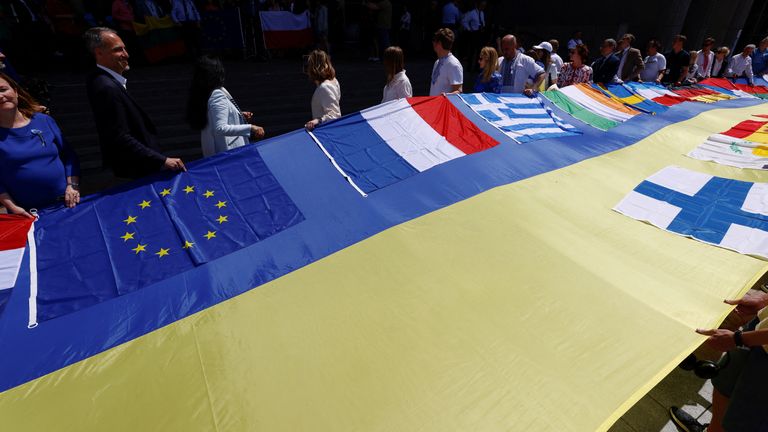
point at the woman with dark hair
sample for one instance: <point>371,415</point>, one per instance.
<point>37,167</point>
<point>327,95</point>
<point>398,85</point>
<point>576,71</point>
<point>213,112</point>
<point>489,79</point>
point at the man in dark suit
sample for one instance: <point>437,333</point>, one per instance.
<point>605,68</point>
<point>631,60</point>
<point>126,133</point>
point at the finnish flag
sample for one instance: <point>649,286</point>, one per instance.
<point>728,213</point>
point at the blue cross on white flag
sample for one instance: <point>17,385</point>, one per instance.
<point>728,213</point>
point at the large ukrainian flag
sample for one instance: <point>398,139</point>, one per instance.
<point>491,291</point>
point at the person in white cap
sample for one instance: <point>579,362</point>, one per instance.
<point>544,50</point>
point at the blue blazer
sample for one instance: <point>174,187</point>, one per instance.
<point>604,69</point>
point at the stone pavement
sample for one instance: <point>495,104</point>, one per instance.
<point>279,95</point>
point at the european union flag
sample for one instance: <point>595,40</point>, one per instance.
<point>120,243</point>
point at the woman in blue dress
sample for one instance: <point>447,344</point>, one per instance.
<point>489,80</point>
<point>37,167</point>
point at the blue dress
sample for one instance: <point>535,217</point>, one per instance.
<point>492,86</point>
<point>35,162</point>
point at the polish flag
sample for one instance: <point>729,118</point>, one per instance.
<point>286,30</point>
<point>13,239</point>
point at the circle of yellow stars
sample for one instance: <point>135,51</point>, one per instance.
<point>163,252</point>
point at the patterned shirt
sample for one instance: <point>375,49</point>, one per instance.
<point>571,75</point>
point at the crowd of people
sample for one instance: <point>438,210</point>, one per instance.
<point>39,169</point>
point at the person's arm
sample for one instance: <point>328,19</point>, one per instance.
<point>536,84</point>
<point>748,71</point>
<point>71,165</point>
<point>457,80</point>
<point>662,68</point>
<point>746,307</point>
<point>7,202</point>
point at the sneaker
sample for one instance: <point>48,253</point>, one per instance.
<point>684,421</point>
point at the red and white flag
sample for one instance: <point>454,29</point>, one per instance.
<point>286,30</point>
<point>13,240</point>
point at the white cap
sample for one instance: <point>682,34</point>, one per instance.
<point>545,46</point>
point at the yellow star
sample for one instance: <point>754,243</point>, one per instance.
<point>144,204</point>
<point>208,194</point>
<point>188,244</point>
<point>165,192</point>
<point>127,236</point>
<point>222,219</point>
<point>189,189</point>
<point>140,248</point>
<point>221,204</point>
<point>130,220</point>
<point>162,252</point>
<point>210,235</point>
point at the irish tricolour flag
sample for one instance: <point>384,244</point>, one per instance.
<point>13,239</point>
<point>396,140</point>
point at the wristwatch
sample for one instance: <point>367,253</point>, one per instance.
<point>75,186</point>
<point>737,339</point>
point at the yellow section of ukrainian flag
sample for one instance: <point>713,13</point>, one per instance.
<point>531,307</point>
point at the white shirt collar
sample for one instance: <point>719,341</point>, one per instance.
<point>121,79</point>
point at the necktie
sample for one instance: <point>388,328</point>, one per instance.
<point>436,71</point>
<point>507,80</point>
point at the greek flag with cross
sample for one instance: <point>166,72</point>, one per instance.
<point>728,213</point>
<point>117,244</point>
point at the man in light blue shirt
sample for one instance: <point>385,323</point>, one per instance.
<point>516,68</point>
<point>451,15</point>
<point>760,58</point>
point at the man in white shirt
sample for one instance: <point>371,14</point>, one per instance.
<point>705,59</point>
<point>516,68</point>
<point>741,65</point>
<point>447,73</point>
<point>655,63</point>
<point>473,24</point>
<point>556,59</point>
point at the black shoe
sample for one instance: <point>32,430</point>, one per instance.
<point>684,421</point>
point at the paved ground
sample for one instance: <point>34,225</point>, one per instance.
<point>279,95</point>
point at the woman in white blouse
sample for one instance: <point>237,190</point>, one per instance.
<point>213,111</point>
<point>327,95</point>
<point>398,85</point>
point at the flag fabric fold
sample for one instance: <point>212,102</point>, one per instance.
<point>560,100</point>
<point>745,145</point>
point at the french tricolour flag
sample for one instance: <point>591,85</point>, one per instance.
<point>13,239</point>
<point>393,141</point>
<point>285,30</point>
